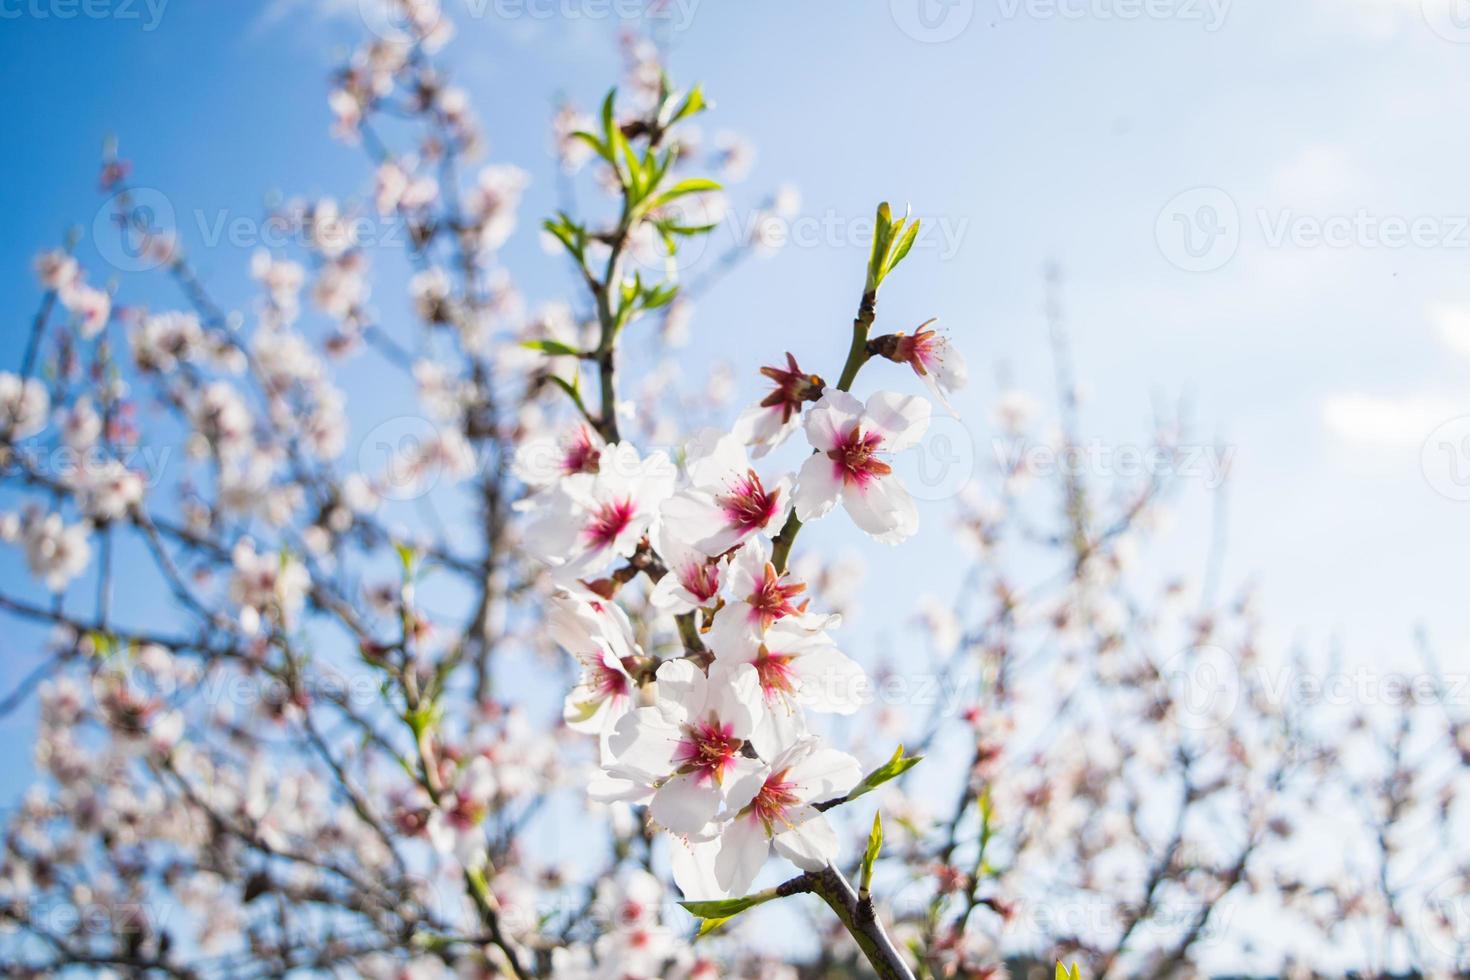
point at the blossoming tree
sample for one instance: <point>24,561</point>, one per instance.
<point>327,756</point>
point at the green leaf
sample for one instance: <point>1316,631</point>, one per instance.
<point>902,248</point>
<point>893,768</point>
<point>688,231</point>
<point>636,184</point>
<point>694,103</point>
<point>870,854</point>
<point>406,556</point>
<point>571,389</point>
<point>570,234</point>
<point>1068,973</point>
<point>725,908</point>
<point>685,187</point>
<point>608,120</point>
<point>659,296</point>
<point>553,347</point>
<point>879,250</point>
<point>891,242</point>
<point>592,141</point>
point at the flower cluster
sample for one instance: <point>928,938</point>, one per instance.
<point>715,741</point>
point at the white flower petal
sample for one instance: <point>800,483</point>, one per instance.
<point>683,805</point>
<point>744,848</point>
<point>883,508</point>
<point>811,844</point>
<point>818,488</point>
<point>901,419</point>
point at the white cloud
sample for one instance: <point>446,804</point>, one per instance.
<point>1319,175</point>
<point>1385,420</point>
<point>1452,325</point>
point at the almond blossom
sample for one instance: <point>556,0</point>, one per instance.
<point>91,306</point>
<point>110,490</point>
<point>934,359</point>
<point>797,666</point>
<point>769,422</point>
<point>597,633</point>
<point>780,816</point>
<point>760,597</point>
<point>693,579</point>
<point>725,502</point>
<point>850,438</point>
<point>24,404</point>
<point>682,755</point>
<point>591,518</point>
<point>56,270</point>
<point>272,585</point>
<point>56,552</point>
<point>542,460</point>
<point>455,825</point>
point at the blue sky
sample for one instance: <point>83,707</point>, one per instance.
<point>1035,133</point>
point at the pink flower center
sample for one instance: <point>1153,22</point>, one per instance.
<point>775,798</point>
<point>855,457</point>
<point>467,812</point>
<point>708,749</point>
<point>772,601</point>
<point>609,521</point>
<point>792,388</point>
<point>748,506</point>
<point>774,671</point>
<point>609,682</point>
<point>701,579</point>
<point>581,455</point>
<point>921,350</point>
